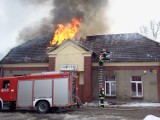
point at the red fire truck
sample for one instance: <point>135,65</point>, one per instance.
<point>39,91</point>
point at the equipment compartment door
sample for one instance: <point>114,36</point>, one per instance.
<point>24,94</point>
<point>61,91</point>
<point>43,89</point>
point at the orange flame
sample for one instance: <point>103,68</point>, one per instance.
<point>64,32</point>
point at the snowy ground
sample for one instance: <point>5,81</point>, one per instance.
<point>91,111</point>
<point>151,117</point>
<point>140,105</point>
<point>130,105</point>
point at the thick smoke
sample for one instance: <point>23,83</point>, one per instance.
<point>91,12</point>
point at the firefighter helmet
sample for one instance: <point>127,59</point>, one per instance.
<point>100,87</point>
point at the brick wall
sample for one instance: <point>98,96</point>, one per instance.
<point>51,64</point>
<point>87,79</point>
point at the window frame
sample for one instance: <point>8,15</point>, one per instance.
<point>6,84</point>
<point>110,86</point>
<point>136,85</point>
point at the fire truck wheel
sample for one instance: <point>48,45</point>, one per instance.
<point>12,106</point>
<point>43,107</point>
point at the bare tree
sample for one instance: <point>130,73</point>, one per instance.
<point>152,30</point>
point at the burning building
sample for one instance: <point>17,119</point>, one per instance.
<point>131,74</point>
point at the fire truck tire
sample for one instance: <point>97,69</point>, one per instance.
<point>43,107</point>
<point>12,106</point>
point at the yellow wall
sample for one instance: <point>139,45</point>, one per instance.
<point>81,78</point>
<point>69,53</point>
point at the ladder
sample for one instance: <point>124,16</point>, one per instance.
<point>100,75</point>
<point>100,79</point>
<point>104,56</point>
<point>101,85</point>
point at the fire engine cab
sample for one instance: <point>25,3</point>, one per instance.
<point>40,91</point>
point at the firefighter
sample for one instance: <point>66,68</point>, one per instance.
<point>101,59</point>
<point>101,96</point>
<point>104,53</point>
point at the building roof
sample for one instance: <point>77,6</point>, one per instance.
<point>73,41</point>
<point>32,51</point>
<point>129,47</point>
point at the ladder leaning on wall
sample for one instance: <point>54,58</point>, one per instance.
<point>103,57</point>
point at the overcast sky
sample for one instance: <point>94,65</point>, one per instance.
<point>129,15</point>
<point>123,16</point>
<point>14,16</point>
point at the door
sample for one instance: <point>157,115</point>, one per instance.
<point>43,89</point>
<point>5,90</point>
<point>61,92</point>
<point>24,98</point>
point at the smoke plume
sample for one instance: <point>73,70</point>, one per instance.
<point>91,12</point>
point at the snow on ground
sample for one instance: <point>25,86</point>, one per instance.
<point>151,117</point>
<point>136,104</point>
<point>129,104</point>
<point>92,117</point>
